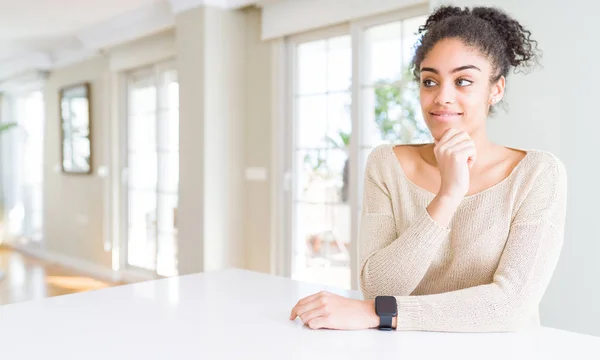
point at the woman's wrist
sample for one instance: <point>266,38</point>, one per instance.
<point>442,208</point>
<point>373,318</point>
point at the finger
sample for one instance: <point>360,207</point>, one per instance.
<point>457,138</point>
<point>312,297</point>
<point>465,153</point>
<point>293,314</point>
<point>303,309</point>
<point>298,309</point>
<point>447,135</point>
<point>462,145</point>
<point>314,313</point>
<point>318,323</point>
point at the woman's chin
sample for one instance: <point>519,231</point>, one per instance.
<point>438,130</point>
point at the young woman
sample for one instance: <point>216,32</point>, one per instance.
<point>462,234</point>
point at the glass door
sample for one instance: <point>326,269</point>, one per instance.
<point>23,166</point>
<point>152,173</point>
<point>351,89</point>
<point>320,156</point>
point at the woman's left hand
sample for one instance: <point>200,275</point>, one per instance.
<point>325,310</point>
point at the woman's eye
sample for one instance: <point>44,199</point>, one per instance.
<point>428,83</point>
<point>463,82</point>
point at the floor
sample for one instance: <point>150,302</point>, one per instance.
<point>27,279</point>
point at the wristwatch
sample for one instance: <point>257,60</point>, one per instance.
<point>386,308</point>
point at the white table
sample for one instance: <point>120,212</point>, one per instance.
<point>236,314</point>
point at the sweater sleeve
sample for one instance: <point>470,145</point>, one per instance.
<point>384,255</point>
<point>526,266</point>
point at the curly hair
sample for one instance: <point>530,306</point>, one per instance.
<point>493,32</point>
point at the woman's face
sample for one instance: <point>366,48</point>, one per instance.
<point>455,88</point>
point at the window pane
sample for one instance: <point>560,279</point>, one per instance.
<point>142,208</point>
<point>337,165</point>
<point>311,121</point>
<point>167,204</point>
<point>141,247</point>
<point>409,32</point>
<point>167,254</point>
<point>142,132</point>
<point>320,176</point>
<point>339,121</point>
<point>311,74</point>
<point>393,114</point>
<point>142,94</point>
<point>169,90</point>
<point>384,53</point>
<point>322,238</point>
<point>310,170</point>
<point>168,174</point>
<point>142,170</point>
<point>339,63</point>
<point>168,139</point>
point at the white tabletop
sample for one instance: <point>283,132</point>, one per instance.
<point>237,314</point>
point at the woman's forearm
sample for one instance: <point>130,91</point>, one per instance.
<point>442,209</point>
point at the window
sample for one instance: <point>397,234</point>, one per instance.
<point>23,165</point>
<point>345,101</point>
<point>390,96</point>
<point>322,130</point>
<point>152,169</point>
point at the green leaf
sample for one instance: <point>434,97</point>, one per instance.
<point>396,109</point>
<point>4,127</point>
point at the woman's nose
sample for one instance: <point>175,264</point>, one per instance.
<point>446,95</point>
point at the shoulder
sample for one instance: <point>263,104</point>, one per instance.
<point>380,153</point>
<point>390,153</point>
<point>379,159</point>
<point>544,177</point>
<point>541,190</point>
<point>546,165</point>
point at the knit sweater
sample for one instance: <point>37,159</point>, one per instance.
<point>487,271</point>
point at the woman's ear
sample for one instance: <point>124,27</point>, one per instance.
<point>497,91</point>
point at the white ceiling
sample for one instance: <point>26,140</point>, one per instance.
<point>42,34</point>
<point>27,25</point>
<point>42,18</point>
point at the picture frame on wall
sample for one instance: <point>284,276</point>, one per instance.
<point>75,128</point>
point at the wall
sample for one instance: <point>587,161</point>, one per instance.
<point>74,204</point>
<point>189,45</point>
<point>554,109</point>
<point>225,109</point>
<point>211,55</point>
<point>258,146</point>
<point>210,49</point>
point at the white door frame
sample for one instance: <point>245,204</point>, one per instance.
<point>123,227</point>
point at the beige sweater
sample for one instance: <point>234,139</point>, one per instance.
<point>487,271</point>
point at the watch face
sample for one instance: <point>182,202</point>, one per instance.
<point>386,305</point>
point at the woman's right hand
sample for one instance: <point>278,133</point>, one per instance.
<point>455,153</point>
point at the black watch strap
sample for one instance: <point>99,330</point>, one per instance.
<point>385,322</point>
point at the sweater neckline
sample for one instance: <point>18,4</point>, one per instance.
<point>398,166</point>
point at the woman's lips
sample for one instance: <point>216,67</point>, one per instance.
<point>445,116</point>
